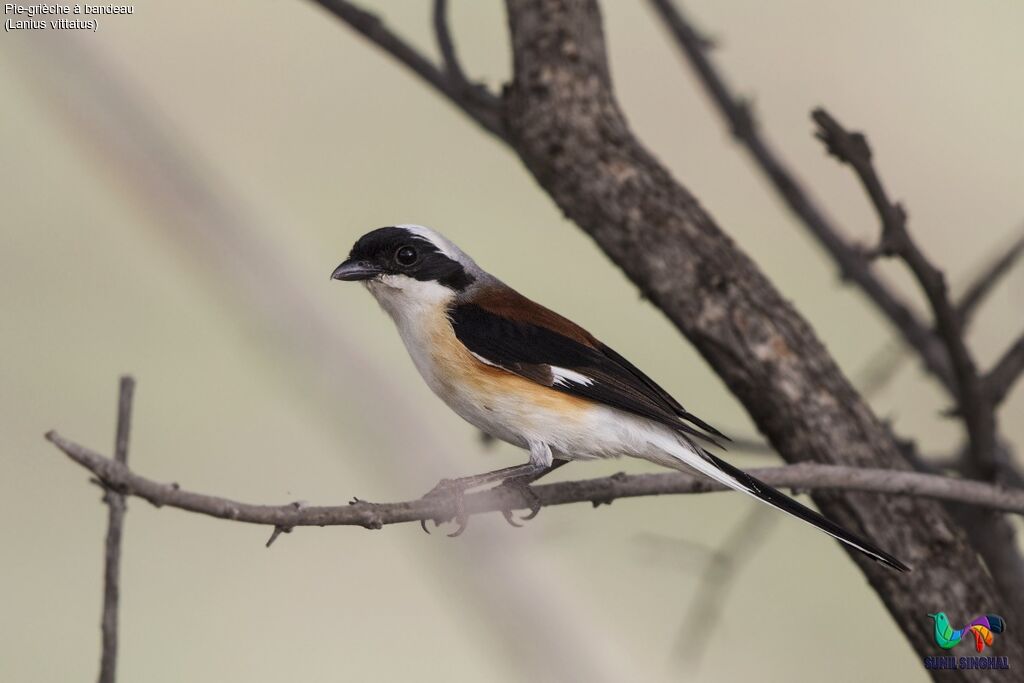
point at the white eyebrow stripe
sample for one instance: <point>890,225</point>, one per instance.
<point>564,377</point>
<point>435,238</point>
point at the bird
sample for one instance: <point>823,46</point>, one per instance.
<point>528,376</point>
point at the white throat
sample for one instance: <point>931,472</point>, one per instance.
<point>419,309</point>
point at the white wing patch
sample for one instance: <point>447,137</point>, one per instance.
<point>564,377</point>
<point>485,361</point>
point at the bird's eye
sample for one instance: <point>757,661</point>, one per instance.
<point>406,256</point>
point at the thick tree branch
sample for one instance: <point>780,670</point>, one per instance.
<point>563,120</point>
<point>603,490</point>
<point>115,528</point>
<point>856,267</point>
<point>565,123</point>
<point>852,263</point>
<point>481,106</point>
<point>973,403</point>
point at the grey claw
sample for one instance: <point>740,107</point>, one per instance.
<point>446,487</point>
<point>507,514</point>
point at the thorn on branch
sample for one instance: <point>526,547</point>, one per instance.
<point>285,528</point>
<point>278,530</point>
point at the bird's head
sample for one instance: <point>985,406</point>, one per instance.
<point>408,265</point>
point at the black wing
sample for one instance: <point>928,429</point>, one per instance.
<point>575,363</point>
<point>556,360</point>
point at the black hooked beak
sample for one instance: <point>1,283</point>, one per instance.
<point>355,270</point>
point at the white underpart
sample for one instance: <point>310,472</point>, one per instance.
<point>540,454</point>
<point>415,306</point>
<point>564,377</point>
<point>435,238</point>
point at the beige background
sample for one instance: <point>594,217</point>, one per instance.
<point>261,380</point>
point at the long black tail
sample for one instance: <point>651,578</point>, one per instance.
<point>780,500</point>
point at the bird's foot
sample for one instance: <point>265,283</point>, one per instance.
<point>521,485</point>
<point>456,490</point>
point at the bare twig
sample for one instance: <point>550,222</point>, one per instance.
<point>474,93</point>
<point>976,397</point>
<point>986,280</point>
<point>884,363</point>
<point>803,476</point>
<point>999,380</point>
<point>973,403</point>
<point>445,44</point>
<point>852,263</point>
<point>115,500</point>
<point>479,104</point>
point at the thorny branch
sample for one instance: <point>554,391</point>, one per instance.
<point>603,490</point>
<point>992,535</point>
<point>852,264</point>
<point>977,398</point>
<point>886,361</point>
<point>115,526</point>
<point>973,401</point>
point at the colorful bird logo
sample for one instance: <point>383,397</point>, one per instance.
<point>983,628</point>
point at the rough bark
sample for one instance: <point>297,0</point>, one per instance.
<point>563,120</point>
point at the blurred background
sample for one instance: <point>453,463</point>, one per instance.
<point>178,186</point>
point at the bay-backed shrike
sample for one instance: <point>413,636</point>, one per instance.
<point>528,376</point>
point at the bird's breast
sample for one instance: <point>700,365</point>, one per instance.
<point>496,401</point>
